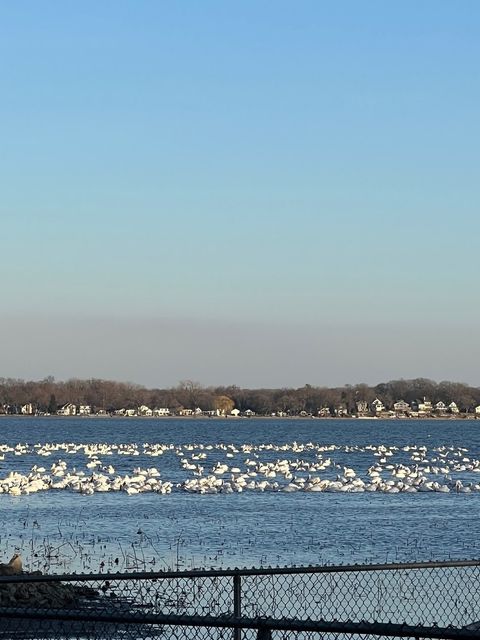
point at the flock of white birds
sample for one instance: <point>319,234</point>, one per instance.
<point>228,468</point>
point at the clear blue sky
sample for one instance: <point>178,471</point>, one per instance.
<point>257,192</point>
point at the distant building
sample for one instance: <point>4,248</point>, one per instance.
<point>27,409</point>
<point>84,410</point>
<point>362,407</point>
<point>341,410</point>
<point>453,408</point>
<point>161,411</point>
<point>377,406</point>
<point>68,409</point>
<point>401,407</point>
<point>324,412</point>
<point>425,408</point>
<point>440,408</point>
<point>143,410</point>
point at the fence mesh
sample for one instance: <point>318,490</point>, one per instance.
<point>440,596</point>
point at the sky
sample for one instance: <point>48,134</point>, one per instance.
<point>262,193</point>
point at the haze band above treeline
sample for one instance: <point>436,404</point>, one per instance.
<point>417,398</point>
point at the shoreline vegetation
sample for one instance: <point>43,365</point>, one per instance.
<point>106,416</point>
<point>417,398</point>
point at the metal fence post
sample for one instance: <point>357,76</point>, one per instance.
<point>237,604</point>
<point>264,633</point>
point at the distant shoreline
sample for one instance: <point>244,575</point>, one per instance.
<point>457,418</point>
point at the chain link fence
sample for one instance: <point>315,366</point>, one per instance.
<point>440,600</point>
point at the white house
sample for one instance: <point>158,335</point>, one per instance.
<point>143,410</point>
<point>27,409</point>
<point>401,406</point>
<point>84,410</point>
<point>161,411</point>
<point>377,406</point>
<point>68,409</point>
<point>425,408</point>
<point>453,408</point>
<point>440,407</point>
<point>324,412</point>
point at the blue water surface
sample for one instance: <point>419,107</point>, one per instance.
<point>62,531</point>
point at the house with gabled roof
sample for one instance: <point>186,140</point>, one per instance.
<point>401,407</point>
<point>377,406</point>
<point>440,408</point>
<point>425,408</point>
<point>68,409</point>
<point>27,409</point>
<point>143,410</point>
<point>453,408</point>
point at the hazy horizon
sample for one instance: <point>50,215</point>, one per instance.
<point>261,194</point>
<point>162,352</point>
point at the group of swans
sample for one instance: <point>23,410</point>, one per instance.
<point>229,468</point>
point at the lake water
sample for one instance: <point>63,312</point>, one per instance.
<point>62,530</point>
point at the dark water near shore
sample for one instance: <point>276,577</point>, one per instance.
<point>62,531</point>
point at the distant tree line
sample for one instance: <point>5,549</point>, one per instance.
<point>48,394</point>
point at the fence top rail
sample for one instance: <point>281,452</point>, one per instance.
<point>218,573</point>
